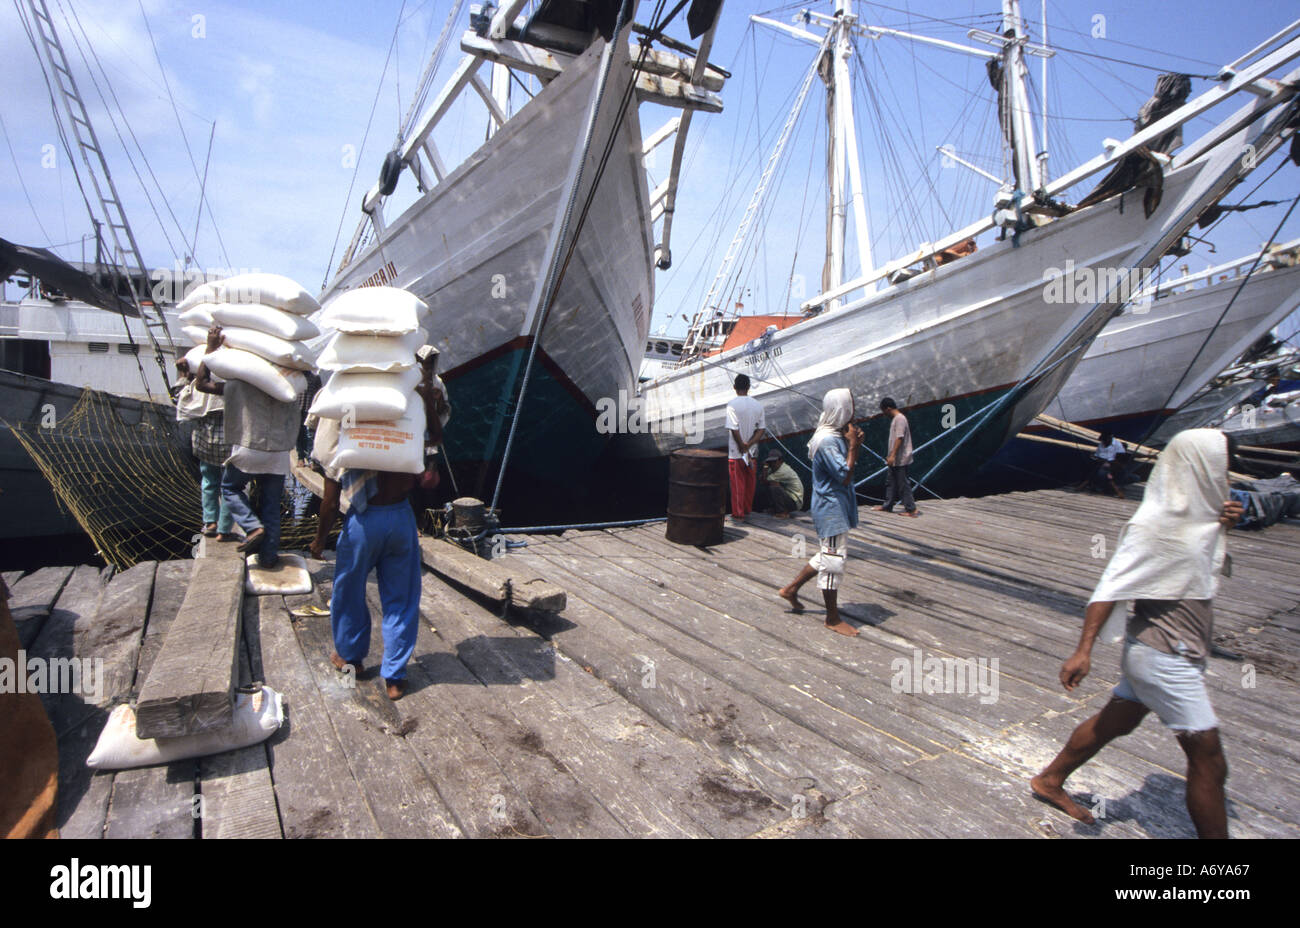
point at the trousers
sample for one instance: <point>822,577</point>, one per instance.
<point>214,510</point>
<point>743,478</point>
<point>898,490</point>
<point>383,539</point>
<point>271,488</point>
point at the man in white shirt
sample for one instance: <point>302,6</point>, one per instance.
<point>745,429</point>
<point>1109,448</point>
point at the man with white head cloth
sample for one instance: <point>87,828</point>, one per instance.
<point>833,450</point>
<point>1168,561</point>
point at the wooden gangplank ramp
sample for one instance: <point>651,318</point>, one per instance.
<point>674,695</point>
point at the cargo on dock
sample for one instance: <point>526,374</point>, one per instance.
<point>674,695</point>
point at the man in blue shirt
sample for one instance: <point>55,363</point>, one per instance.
<point>833,449</point>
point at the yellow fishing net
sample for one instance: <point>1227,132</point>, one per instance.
<point>134,487</point>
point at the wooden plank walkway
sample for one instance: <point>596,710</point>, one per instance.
<point>676,696</point>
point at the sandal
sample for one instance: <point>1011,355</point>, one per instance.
<point>210,530</point>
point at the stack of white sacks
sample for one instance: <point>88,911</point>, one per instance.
<point>369,401</point>
<point>264,320</point>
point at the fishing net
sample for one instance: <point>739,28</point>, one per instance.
<point>133,486</point>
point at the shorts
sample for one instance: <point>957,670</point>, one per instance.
<point>829,561</point>
<point>1169,685</point>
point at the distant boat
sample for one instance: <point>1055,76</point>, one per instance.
<point>1161,351</point>
<point>969,342</point>
<point>1275,423</point>
<point>52,349</point>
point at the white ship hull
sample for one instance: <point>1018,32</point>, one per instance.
<point>944,344</point>
<point>1139,365</point>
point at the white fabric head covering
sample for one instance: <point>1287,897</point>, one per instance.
<point>837,410</point>
<point>1174,546</point>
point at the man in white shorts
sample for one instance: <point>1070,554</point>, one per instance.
<point>1168,561</point>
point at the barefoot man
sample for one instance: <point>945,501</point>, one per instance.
<point>1168,560</point>
<point>833,449</point>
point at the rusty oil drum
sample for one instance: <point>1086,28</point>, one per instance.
<point>697,496</point>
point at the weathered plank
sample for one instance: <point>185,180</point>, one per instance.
<point>190,686</point>
<point>498,581</point>
<point>32,598</point>
<point>610,753</point>
<point>404,801</point>
<point>314,786</point>
<point>237,795</point>
<point>755,741</point>
<point>115,635</point>
<point>83,798</point>
<point>156,802</point>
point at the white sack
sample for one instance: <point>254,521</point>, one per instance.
<point>277,382</point>
<point>396,447</point>
<point>279,351</point>
<point>269,289</point>
<point>257,716</point>
<point>196,333</point>
<point>373,353</point>
<point>367,397</point>
<point>374,311</point>
<point>266,319</point>
<point>200,314</point>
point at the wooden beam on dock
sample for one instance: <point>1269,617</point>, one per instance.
<point>517,585</point>
<point>192,681</point>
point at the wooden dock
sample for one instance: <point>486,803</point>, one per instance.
<point>676,696</point>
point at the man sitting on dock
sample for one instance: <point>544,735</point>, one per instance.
<point>379,533</point>
<point>1107,461</point>
<point>782,490</point>
<point>1169,558</point>
<point>833,449</point>
<point>261,431</point>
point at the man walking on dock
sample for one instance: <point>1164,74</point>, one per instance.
<point>898,458</point>
<point>745,429</point>
<point>1169,559</point>
<point>261,431</point>
<point>833,449</point>
<point>379,533</point>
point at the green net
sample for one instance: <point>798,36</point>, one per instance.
<point>134,487</point>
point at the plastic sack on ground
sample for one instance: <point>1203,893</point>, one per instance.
<point>366,397</point>
<point>235,364</point>
<point>371,353</point>
<point>258,715</point>
<point>374,311</point>
<point>396,447</point>
<point>266,319</point>
<point>279,351</point>
<point>269,289</point>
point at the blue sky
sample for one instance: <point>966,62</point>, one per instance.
<point>290,87</point>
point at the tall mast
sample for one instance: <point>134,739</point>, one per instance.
<point>844,169</point>
<point>1015,75</point>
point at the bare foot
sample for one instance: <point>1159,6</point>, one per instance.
<point>792,598</point>
<point>1056,796</point>
<point>877,508</point>
<point>839,626</point>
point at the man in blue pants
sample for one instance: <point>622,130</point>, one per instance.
<point>379,533</point>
